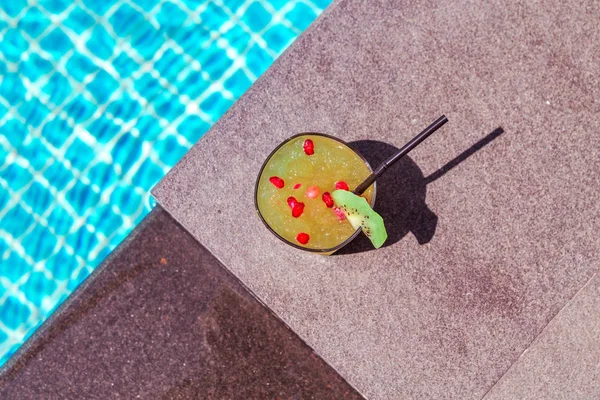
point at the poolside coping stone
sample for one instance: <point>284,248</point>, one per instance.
<point>493,220</point>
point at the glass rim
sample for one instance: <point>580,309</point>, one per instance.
<point>329,250</point>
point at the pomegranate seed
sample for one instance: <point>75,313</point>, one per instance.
<point>340,214</point>
<point>297,209</point>
<point>277,181</point>
<point>309,147</point>
<point>341,185</point>
<point>297,185</point>
<point>292,201</point>
<point>303,238</point>
<point>312,192</point>
<point>328,199</point>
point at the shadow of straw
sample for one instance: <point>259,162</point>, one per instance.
<point>405,210</point>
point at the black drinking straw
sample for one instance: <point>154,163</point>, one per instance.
<point>400,153</point>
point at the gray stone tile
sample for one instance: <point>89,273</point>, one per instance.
<point>564,361</point>
<point>162,319</point>
<point>509,233</point>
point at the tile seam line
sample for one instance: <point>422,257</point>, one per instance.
<point>227,270</point>
<point>535,339</point>
<point>166,208</point>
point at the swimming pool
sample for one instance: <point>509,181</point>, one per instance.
<point>98,100</point>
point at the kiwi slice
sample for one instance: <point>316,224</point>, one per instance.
<point>360,215</point>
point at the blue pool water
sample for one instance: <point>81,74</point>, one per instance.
<point>98,99</point>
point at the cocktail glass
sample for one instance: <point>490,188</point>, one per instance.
<point>300,173</point>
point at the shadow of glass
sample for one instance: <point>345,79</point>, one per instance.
<point>404,208</point>
<point>401,193</point>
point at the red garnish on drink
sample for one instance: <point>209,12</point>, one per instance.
<point>341,185</point>
<point>327,199</point>
<point>312,192</point>
<point>340,214</point>
<point>297,209</point>
<point>292,201</point>
<point>309,147</point>
<point>277,181</point>
<point>303,238</point>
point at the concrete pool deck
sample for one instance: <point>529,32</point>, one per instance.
<point>517,219</point>
<point>487,286</point>
<point>161,318</point>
